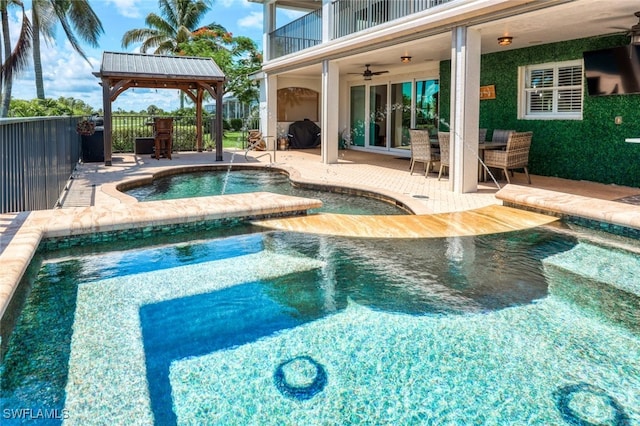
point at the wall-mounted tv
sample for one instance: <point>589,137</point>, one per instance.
<point>614,71</point>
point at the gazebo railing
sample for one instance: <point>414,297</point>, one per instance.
<point>126,128</point>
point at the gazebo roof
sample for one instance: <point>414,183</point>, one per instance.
<point>193,76</point>
<point>158,67</point>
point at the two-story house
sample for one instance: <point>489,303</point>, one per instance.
<point>368,70</point>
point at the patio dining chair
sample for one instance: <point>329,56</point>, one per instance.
<point>482,135</point>
<point>515,156</point>
<point>501,135</point>
<point>445,142</point>
<point>421,151</point>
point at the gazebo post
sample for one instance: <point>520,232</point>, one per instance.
<point>219,130</point>
<point>199,98</point>
<point>106,112</point>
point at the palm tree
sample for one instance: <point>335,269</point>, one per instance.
<point>13,61</point>
<point>176,23</point>
<point>71,14</point>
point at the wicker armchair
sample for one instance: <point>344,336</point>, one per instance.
<point>516,156</point>
<point>421,151</point>
<point>444,142</point>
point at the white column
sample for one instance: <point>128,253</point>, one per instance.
<point>268,25</point>
<point>465,109</point>
<point>269,117</point>
<point>327,20</point>
<point>330,109</point>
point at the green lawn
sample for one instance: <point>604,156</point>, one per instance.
<point>232,139</point>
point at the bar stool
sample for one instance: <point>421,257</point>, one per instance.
<point>163,137</point>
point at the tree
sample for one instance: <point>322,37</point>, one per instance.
<point>72,15</point>
<point>238,57</point>
<point>175,24</point>
<point>49,107</point>
<point>16,60</point>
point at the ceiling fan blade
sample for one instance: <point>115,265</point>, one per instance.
<point>379,72</point>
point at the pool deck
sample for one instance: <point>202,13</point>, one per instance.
<point>92,203</point>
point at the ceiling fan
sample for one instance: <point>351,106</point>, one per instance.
<point>633,32</point>
<point>367,74</point>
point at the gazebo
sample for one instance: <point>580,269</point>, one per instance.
<point>193,76</point>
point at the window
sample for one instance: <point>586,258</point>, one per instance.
<point>551,91</point>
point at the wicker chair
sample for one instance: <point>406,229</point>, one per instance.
<point>444,142</point>
<point>501,135</point>
<point>516,156</point>
<point>421,151</point>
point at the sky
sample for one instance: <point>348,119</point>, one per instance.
<point>67,74</point>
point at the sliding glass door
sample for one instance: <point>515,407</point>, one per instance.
<point>378,115</point>
<point>400,115</point>
<point>382,114</point>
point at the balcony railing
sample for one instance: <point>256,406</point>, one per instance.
<point>297,35</point>
<point>351,16</point>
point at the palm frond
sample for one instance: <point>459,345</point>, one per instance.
<point>85,21</point>
<point>160,24</point>
<point>138,36</point>
<point>19,57</point>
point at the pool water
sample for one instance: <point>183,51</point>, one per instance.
<point>199,184</point>
<point>283,328</point>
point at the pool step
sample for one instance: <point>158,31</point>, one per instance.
<point>602,281</point>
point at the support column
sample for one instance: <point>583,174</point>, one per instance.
<point>330,110</point>
<point>269,117</point>
<point>219,123</point>
<point>269,25</point>
<point>327,20</point>
<point>465,109</point>
<point>106,115</point>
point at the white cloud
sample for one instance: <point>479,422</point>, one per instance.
<point>232,3</point>
<point>253,20</point>
<point>126,8</point>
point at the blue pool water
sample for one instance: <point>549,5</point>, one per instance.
<point>282,328</point>
<point>199,184</point>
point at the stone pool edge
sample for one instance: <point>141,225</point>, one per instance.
<point>29,229</point>
<point>610,216</point>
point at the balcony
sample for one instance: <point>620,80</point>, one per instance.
<point>349,16</point>
<point>297,35</point>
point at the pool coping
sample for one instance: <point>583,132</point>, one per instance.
<point>116,190</point>
<point>27,230</point>
<point>611,216</point>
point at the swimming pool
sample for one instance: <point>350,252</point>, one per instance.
<point>216,182</point>
<point>281,328</point>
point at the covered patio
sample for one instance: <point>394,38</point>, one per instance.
<point>193,76</point>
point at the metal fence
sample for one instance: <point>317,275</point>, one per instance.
<point>37,157</point>
<point>126,128</point>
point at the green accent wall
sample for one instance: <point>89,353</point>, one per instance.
<point>589,149</point>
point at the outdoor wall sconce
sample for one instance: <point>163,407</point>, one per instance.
<point>505,41</point>
<point>405,59</point>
